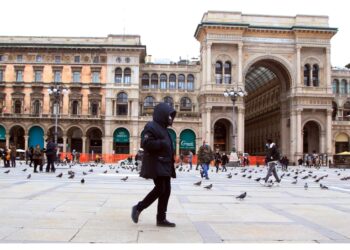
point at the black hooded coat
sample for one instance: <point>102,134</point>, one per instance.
<point>158,157</point>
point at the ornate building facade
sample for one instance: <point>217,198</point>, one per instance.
<point>282,62</point>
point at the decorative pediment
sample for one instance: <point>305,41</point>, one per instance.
<point>95,96</point>
<point>17,95</point>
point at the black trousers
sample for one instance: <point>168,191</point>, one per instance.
<point>161,191</point>
<point>50,162</point>
<point>38,163</point>
<point>272,170</point>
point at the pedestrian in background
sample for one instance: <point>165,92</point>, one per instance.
<point>13,155</point>
<point>224,161</point>
<point>51,152</point>
<point>217,160</point>
<point>158,163</point>
<point>190,157</point>
<point>205,156</point>
<point>38,156</point>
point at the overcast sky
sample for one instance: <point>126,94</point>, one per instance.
<point>166,27</point>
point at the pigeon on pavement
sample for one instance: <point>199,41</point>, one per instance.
<point>197,183</point>
<point>28,177</point>
<point>125,178</point>
<point>82,181</point>
<point>209,186</point>
<point>242,196</point>
<point>60,175</point>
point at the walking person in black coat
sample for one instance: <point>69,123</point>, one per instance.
<point>158,163</point>
<point>224,161</point>
<point>51,156</point>
<point>272,157</point>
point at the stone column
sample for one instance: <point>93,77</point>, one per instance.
<point>209,63</point>
<point>208,126</point>
<point>299,82</point>
<point>177,145</point>
<point>328,79</point>
<point>84,144</point>
<point>293,139</point>
<point>298,132</point>
<point>64,144</point>
<point>323,147</point>
<point>240,63</point>
<point>329,132</point>
<point>26,137</point>
<point>7,137</point>
<point>240,130</point>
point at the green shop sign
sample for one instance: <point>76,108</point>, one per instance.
<point>2,133</point>
<point>121,136</point>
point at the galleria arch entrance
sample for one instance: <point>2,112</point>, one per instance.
<point>266,106</point>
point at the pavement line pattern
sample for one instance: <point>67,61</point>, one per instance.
<point>206,232</point>
<point>45,191</point>
<point>320,229</point>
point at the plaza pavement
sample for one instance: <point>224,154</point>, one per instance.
<point>47,209</point>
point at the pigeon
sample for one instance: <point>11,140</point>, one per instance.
<point>71,176</point>
<point>105,172</point>
<point>82,181</point>
<point>91,170</point>
<point>28,177</point>
<point>84,173</point>
<point>6,172</point>
<point>258,179</point>
<point>24,170</point>
<point>306,186</point>
<point>244,175</point>
<point>197,183</point>
<point>317,180</point>
<point>60,175</point>
<point>117,171</point>
<point>295,177</point>
<point>315,176</point>
<point>236,173</point>
<point>229,176</point>
<point>209,186</point>
<point>295,182</point>
<point>242,196</point>
<point>338,174</point>
<point>288,174</point>
<point>323,186</point>
<point>305,177</point>
<point>282,175</point>
<point>125,178</point>
<point>249,177</point>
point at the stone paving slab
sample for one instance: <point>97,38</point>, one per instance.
<point>49,209</point>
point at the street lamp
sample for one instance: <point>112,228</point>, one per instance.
<point>234,93</point>
<point>56,91</point>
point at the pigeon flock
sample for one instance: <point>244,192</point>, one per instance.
<point>293,177</point>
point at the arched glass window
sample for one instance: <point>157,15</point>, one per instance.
<point>342,87</point>
<point>127,75</point>
<point>149,102</point>
<point>154,81</point>
<point>145,81</point>
<point>172,81</point>
<point>169,100</point>
<point>315,80</point>
<point>227,71</point>
<point>75,106</point>
<point>36,107</point>
<point>18,107</point>
<point>94,108</point>
<point>307,75</point>
<point>335,86</point>
<point>181,83</point>
<point>218,72</point>
<point>185,104</point>
<point>345,84</point>
<point>163,81</point>
<point>122,104</point>
<point>190,82</point>
<point>118,75</point>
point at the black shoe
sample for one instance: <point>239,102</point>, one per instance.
<point>165,223</point>
<point>135,214</point>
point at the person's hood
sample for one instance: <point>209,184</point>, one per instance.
<point>272,145</point>
<point>162,112</point>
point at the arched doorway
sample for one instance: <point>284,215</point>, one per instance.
<point>94,140</point>
<point>36,136</point>
<point>17,137</point>
<point>222,135</point>
<point>187,142</point>
<point>173,137</point>
<point>267,82</point>
<point>311,137</point>
<point>121,141</point>
<point>74,137</point>
<point>341,143</point>
<point>2,137</point>
<point>51,135</point>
